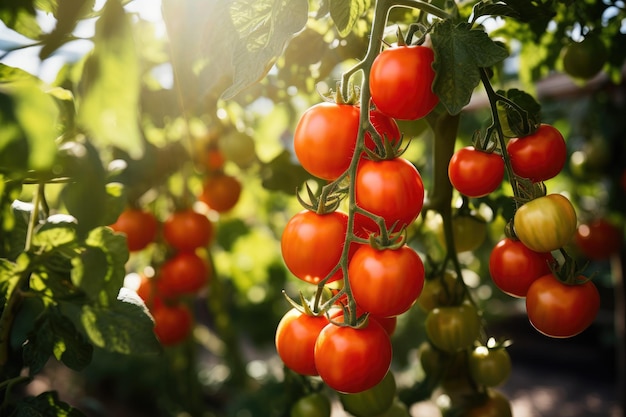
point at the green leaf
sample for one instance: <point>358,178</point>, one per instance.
<point>19,15</point>
<point>58,230</point>
<point>282,174</point>
<point>110,102</point>
<point>460,52</point>
<point>46,404</point>
<point>265,27</point>
<point>67,14</point>
<point>489,8</point>
<point>345,14</point>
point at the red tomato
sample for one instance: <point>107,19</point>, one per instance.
<point>187,230</point>
<point>599,239</point>
<point>352,360</point>
<point>312,244</point>
<point>392,189</point>
<point>539,156</point>
<point>220,192</point>
<point>147,291</point>
<point>184,273</point>
<point>401,80</point>
<point>386,282</point>
<point>560,310</point>
<point>514,267</point>
<point>475,173</point>
<point>295,340</point>
<point>140,228</point>
<point>172,323</point>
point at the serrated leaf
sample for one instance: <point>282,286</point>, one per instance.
<point>460,52</point>
<point>46,404</point>
<point>265,27</point>
<point>345,14</point>
<point>109,103</point>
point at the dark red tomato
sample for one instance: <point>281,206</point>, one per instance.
<point>560,310</point>
<point>172,323</point>
<point>371,402</point>
<point>598,239</point>
<point>352,360</point>
<point>187,230</point>
<point>489,366</point>
<point>312,243</point>
<point>220,192</point>
<point>140,228</point>
<point>539,156</point>
<point>392,189</point>
<point>386,282</point>
<point>513,267</point>
<point>386,127</point>
<point>295,340</point>
<point>475,173</point>
<point>453,328</point>
<point>494,404</point>
<point>401,80</point>
<point>184,273</point>
<point>325,138</point>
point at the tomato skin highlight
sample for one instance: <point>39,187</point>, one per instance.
<point>598,239</point>
<point>475,173</point>
<point>187,230</point>
<point>539,156</point>
<point>401,80</point>
<point>140,228</point>
<point>386,282</point>
<point>351,360</point>
<point>514,267</point>
<point>560,310</point>
<point>546,223</point>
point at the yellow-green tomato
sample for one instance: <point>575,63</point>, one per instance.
<point>397,409</point>
<point>440,291</point>
<point>371,402</point>
<point>468,231</point>
<point>453,328</point>
<point>312,405</point>
<point>239,148</point>
<point>489,366</point>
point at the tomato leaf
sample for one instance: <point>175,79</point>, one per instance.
<point>45,404</point>
<point>264,27</point>
<point>489,8</point>
<point>345,14</point>
<point>460,52</point>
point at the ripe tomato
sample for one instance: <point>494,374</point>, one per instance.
<point>184,273</point>
<point>312,243</point>
<point>538,156</point>
<point>489,367</point>
<point>453,328</point>
<point>220,192</point>
<point>187,230</point>
<point>475,173</point>
<point>172,323</point>
<point>561,310</point>
<point>295,340</point>
<point>140,228</point>
<point>494,404</point>
<point>469,232</point>
<point>325,138</point>
<point>441,291</point>
<point>147,291</point>
<point>373,401</point>
<point>513,267</point>
<point>392,189</point>
<point>546,223</point>
<point>312,405</point>
<point>213,160</point>
<point>401,80</point>
<point>584,59</point>
<point>386,282</point>
<point>598,239</point>
<point>352,360</point>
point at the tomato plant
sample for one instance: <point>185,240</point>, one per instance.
<point>139,226</point>
<point>220,192</point>
<point>186,230</point>
<point>453,328</point>
<point>598,239</point>
<point>401,81</point>
<point>514,267</point>
<point>584,59</point>
<point>373,401</point>
<point>475,173</point>
<point>312,405</point>
<point>538,156</point>
<point>559,309</point>
<point>546,223</point>
<point>183,273</point>
<point>489,366</point>
<point>172,323</point>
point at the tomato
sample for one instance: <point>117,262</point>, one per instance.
<point>440,291</point>
<point>397,409</point>
<point>538,156</point>
<point>213,160</point>
<point>373,401</point>
<point>513,267</point>
<point>561,310</point>
<point>187,230</point>
<point>546,223</point>
<point>386,127</point>
<point>312,244</point>
<point>598,239</point>
<point>295,340</point>
<point>325,138</point>
<point>172,323</point>
<point>489,366</point>
<point>453,328</point>
<point>140,228</point>
<point>352,360</point>
<point>392,189</point>
<point>493,405</point>
<point>239,148</point>
<point>401,80</point>
<point>183,273</point>
<point>312,405</point>
<point>475,173</point>
<point>386,282</point>
<point>220,192</point>
<point>147,291</point>
<point>584,59</point>
<point>469,232</point>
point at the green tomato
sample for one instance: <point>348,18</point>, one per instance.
<point>453,328</point>
<point>397,409</point>
<point>239,148</point>
<point>584,59</point>
<point>494,404</point>
<point>312,405</point>
<point>489,367</point>
<point>469,232</point>
<point>371,402</point>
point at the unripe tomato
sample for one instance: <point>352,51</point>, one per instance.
<point>494,405</point>
<point>598,239</point>
<point>312,405</point>
<point>489,366</point>
<point>187,230</point>
<point>220,192</point>
<point>469,232</point>
<point>184,273</point>
<point>239,148</point>
<point>584,59</point>
<point>475,173</point>
<point>453,328</point>
<point>373,401</point>
<point>538,156</point>
<point>172,323</point>
<point>441,291</point>
<point>140,228</point>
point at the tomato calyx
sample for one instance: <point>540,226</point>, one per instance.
<point>310,308</point>
<point>569,272</point>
